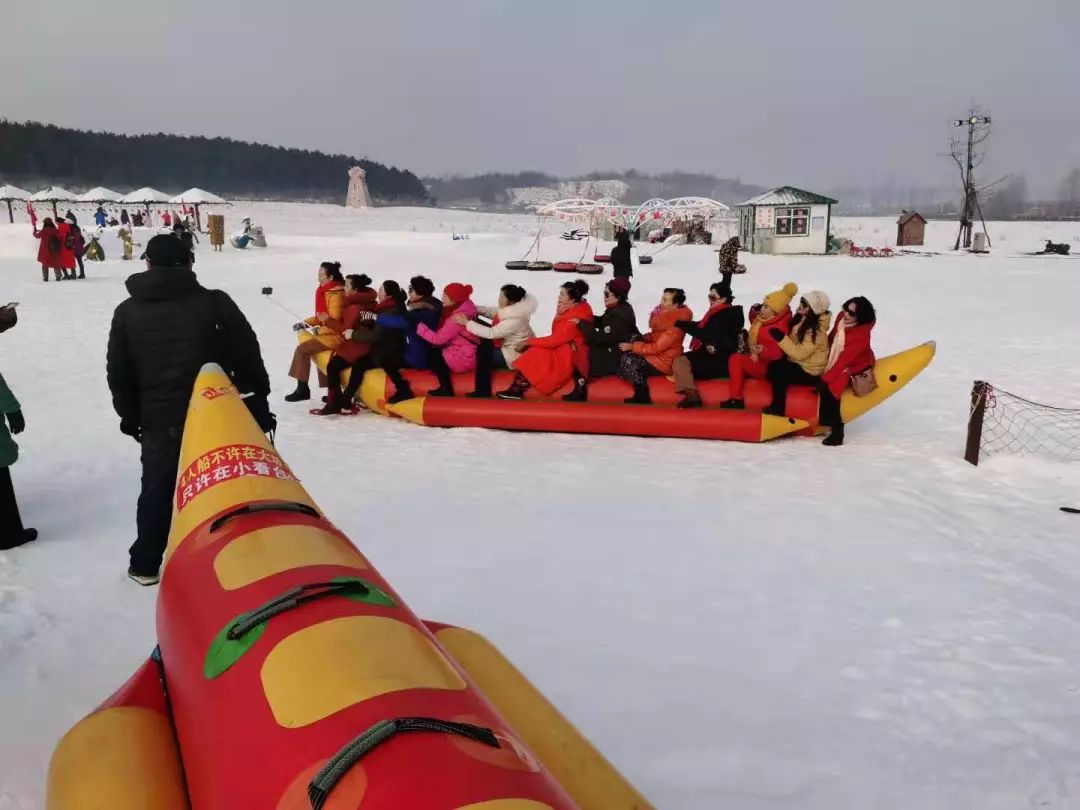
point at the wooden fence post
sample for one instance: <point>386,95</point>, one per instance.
<point>975,422</point>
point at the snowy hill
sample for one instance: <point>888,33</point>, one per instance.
<point>774,627</point>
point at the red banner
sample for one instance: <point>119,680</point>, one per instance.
<point>227,464</point>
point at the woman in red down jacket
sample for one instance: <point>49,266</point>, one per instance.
<point>849,354</point>
<point>359,298</point>
<point>49,250</point>
<point>775,313</point>
<point>67,248</point>
<point>549,362</point>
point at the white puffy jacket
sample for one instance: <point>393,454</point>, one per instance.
<point>513,326</point>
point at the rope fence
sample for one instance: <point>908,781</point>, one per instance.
<point>1003,423</point>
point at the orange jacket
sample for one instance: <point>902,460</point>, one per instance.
<point>665,340</point>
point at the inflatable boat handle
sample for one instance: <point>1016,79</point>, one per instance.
<point>257,508</point>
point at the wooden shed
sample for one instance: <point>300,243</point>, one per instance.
<point>910,229</point>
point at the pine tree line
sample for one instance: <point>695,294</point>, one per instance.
<point>44,153</point>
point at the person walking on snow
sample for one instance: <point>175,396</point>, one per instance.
<point>159,340</point>
<point>12,531</point>
<point>49,249</point>
<point>620,255</point>
<point>101,219</point>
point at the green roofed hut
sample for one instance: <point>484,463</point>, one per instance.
<point>786,220</point>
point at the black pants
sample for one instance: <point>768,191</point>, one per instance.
<point>79,260</point>
<point>160,457</point>
<point>437,364</point>
<point>829,406</point>
<point>488,358</point>
<point>783,374</point>
<point>11,527</point>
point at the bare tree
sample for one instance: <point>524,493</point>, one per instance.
<point>1070,188</point>
<point>968,151</point>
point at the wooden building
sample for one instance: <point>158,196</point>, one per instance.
<point>910,229</point>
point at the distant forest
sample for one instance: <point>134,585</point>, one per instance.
<point>40,154</point>
<point>492,190</point>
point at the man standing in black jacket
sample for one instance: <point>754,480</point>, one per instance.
<point>160,338</point>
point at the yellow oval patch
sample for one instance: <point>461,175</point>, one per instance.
<point>330,666</point>
<point>265,552</point>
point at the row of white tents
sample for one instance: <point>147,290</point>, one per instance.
<point>100,195</point>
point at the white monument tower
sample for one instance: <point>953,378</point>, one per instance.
<point>358,196</point>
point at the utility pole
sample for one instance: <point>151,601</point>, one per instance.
<point>971,197</point>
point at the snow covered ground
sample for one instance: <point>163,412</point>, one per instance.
<point>751,627</point>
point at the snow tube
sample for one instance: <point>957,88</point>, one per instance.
<point>602,258</point>
<point>539,266</point>
<point>892,373</point>
<point>587,269</point>
<point>240,241</point>
<point>286,658</point>
<point>519,264</point>
<point>565,267</point>
<point>644,259</point>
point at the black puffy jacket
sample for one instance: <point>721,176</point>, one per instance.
<point>163,334</point>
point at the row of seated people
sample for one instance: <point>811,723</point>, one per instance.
<point>396,329</point>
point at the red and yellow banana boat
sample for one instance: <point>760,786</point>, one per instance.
<point>605,412</point>
<point>291,676</point>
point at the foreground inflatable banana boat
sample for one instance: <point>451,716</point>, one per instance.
<point>291,676</point>
<point>606,413</point>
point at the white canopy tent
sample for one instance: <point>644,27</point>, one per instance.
<point>145,196</point>
<point>11,194</point>
<point>196,197</point>
<point>53,194</point>
<point>99,194</point>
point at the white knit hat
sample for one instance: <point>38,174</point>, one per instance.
<point>818,301</point>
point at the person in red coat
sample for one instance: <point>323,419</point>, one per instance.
<point>49,249</point>
<point>67,248</point>
<point>775,313</point>
<point>549,362</point>
<point>359,298</point>
<point>849,354</point>
<point>653,355</point>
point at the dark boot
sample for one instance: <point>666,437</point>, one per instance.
<point>478,394</point>
<point>640,397</point>
<point>334,402</point>
<point>836,437</point>
<point>732,404</point>
<point>516,390</point>
<point>441,391</point>
<point>21,539</point>
<point>692,399</point>
<point>402,393</point>
<point>580,392</point>
<point>301,394</point>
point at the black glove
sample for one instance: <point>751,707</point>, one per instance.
<point>129,427</point>
<point>260,409</point>
<point>777,335</point>
<point>684,325</point>
<point>18,424</point>
<point>299,327</point>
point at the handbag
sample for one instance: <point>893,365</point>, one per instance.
<point>8,317</point>
<point>864,382</point>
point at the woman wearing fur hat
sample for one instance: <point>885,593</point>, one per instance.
<point>849,354</point>
<point>775,313</point>
<point>457,346</point>
<point>715,338</point>
<point>616,324</point>
<point>806,349</point>
<point>502,342</point>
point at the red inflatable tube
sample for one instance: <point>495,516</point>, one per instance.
<point>802,401</point>
<point>618,420</point>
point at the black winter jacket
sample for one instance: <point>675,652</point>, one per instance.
<point>160,338</point>
<point>620,257</point>
<point>615,325</point>
<point>722,330</point>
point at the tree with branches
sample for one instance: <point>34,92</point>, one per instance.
<point>968,151</point>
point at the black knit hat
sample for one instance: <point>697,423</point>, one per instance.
<point>166,251</point>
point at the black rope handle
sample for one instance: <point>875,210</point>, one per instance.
<point>257,508</point>
<point>292,598</point>
<point>325,780</point>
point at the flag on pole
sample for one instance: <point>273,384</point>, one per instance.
<point>30,213</point>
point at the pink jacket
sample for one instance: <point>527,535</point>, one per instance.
<point>457,344</point>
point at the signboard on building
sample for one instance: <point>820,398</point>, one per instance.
<point>764,216</point>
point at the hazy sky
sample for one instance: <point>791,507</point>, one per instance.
<point>807,92</point>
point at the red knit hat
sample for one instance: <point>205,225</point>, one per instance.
<point>458,293</point>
